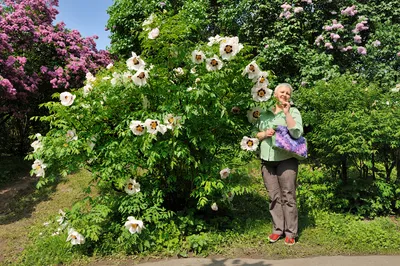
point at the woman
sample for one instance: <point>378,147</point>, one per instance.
<point>279,169</point>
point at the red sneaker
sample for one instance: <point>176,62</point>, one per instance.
<point>273,238</point>
<point>289,241</point>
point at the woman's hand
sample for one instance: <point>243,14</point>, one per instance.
<point>285,107</point>
<point>269,132</point>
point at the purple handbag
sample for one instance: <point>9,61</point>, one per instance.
<point>282,140</point>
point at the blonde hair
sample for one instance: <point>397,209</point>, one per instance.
<point>287,85</point>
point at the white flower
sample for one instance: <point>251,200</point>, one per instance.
<point>46,223</point>
<point>140,78</point>
<point>228,196</point>
<point>135,62</point>
<point>38,136</point>
<point>198,57</point>
<point>132,186</point>
<point>133,225</point>
<point>179,71</point>
<point>229,47</point>
<point>214,63</point>
<point>86,89</point>
<point>261,94</point>
<point>75,237</point>
<point>224,173</point>
<point>38,166</point>
<point>193,70</point>
<point>396,89</point>
<point>90,78</point>
<point>61,218</point>
<point>197,80</point>
<point>172,121</point>
<point>148,21</point>
<point>127,76</point>
<point>116,78</point>
<point>190,89</point>
<point>67,98</point>
<point>91,142</point>
<point>154,126</point>
<point>110,65</point>
<point>249,144</point>
<point>137,127</point>
<point>106,78</point>
<point>298,9</point>
<point>71,135</point>
<point>254,114</point>
<point>215,39</point>
<point>262,79</point>
<point>214,207</point>
<point>154,33</point>
<point>36,145</point>
<point>252,69</point>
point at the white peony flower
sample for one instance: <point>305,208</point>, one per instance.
<point>90,78</point>
<point>36,145</point>
<point>116,78</point>
<point>86,89</point>
<point>261,94</point>
<point>249,144</point>
<point>179,71</point>
<point>154,33</point>
<point>172,121</point>
<point>396,89</point>
<point>133,225</point>
<point>214,207</point>
<point>262,80</point>
<point>110,65</point>
<point>214,63</point>
<point>252,70</point>
<point>135,62</point>
<point>229,47</point>
<point>61,218</point>
<point>38,166</point>
<point>137,127</point>
<point>140,78</point>
<point>148,21</point>
<point>254,114</point>
<point>198,57</point>
<point>132,186</point>
<point>67,98</point>
<point>154,126</point>
<point>75,237</point>
<point>215,39</point>
<point>190,89</point>
<point>224,173</point>
<point>71,135</point>
<point>228,196</point>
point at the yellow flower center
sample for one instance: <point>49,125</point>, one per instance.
<point>73,237</point>
<point>171,120</point>
<point>229,194</point>
<point>262,79</point>
<point>38,167</point>
<point>256,114</point>
<point>214,62</point>
<point>153,125</point>
<point>252,68</point>
<point>141,75</point>
<point>130,186</point>
<point>250,143</point>
<point>134,226</point>
<point>135,61</point>
<point>198,57</point>
<point>139,128</point>
<point>66,97</point>
<point>228,49</point>
<point>261,93</point>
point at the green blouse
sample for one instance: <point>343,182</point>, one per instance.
<point>268,120</point>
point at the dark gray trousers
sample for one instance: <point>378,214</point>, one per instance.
<point>280,181</point>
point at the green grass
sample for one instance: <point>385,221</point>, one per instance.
<point>241,232</point>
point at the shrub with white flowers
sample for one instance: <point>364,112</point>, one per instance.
<point>158,132</point>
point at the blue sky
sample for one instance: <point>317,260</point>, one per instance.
<point>89,17</point>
